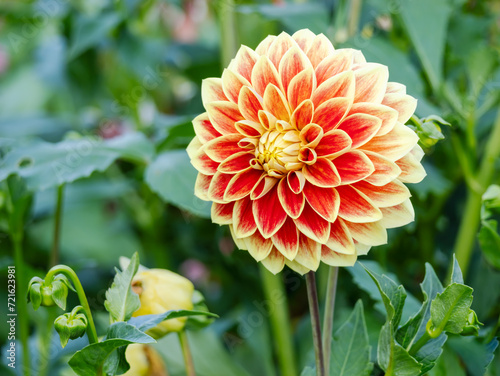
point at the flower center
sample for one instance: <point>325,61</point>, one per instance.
<point>278,150</point>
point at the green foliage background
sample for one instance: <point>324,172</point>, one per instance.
<point>99,94</point>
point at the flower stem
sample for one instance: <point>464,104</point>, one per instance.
<point>227,31</point>
<point>312,296</point>
<point>464,244</point>
<point>22,311</point>
<point>280,322</point>
<point>54,256</point>
<point>70,273</point>
<point>331,291</point>
<point>186,352</point>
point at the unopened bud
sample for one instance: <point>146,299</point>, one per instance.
<point>71,325</point>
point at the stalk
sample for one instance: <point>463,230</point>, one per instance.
<point>54,256</point>
<point>280,321</point>
<point>312,296</point>
<point>331,291</point>
<point>186,352</point>
<point>228,33</point>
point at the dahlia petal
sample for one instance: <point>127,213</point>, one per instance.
<point>389,116</point>
<point>221,148</point>
<point>340,239</point>
<point>371,82</point>
<point>203,163</point>
<point>333,258</point>
<point>303,114</point>
<point>323,173</point>
<point>268,213</point>
<point>265,73</point>
<point>240,243</point>
<point>212,91</point>
<point>340,85</point>
<point>279,48</point>
<point>307,155</point>
<point>274,262</point>
<point>404,104</point>
<point>263,46</point>
<point>293,62</point>
<point>201,186</point>
<point>222,214</point>
<point>358,57</point>
<point>267,119</point>
<point>385,170</point>
<point>353,166</point>
<point>194,147</point>
<point>243,221</point>
<point>333,143</point>
<point>258,247</point>
<point>223,115</point>
<point>312,225</point>
<point>311,135</point>
<point>265,184</point>
<point>301,87</point>
<point>204,128</point>
<point>395,87</point>
<point>275,103</point>
<point>304,38</point>
<point>395,144</point>
<point>356,207</point>
<point>360,127</point>
<point>397,216</point>
<point>296,267</point>
<point>244,62</point>
<point>412,170</point>
<point>232,83</point>
<point>218,186</point>
<point>320,48</point>
<point>372,233</point>
<point>339,61</point>
<point>417,152</point>
<point>249,128</point>
<point>242,184</point>
<point>236,162</point>
<point>249,103</point>
<point>361,249</point>
<point>286,239</point>
<point>296,181</point>
<point>324,201</point>
<point>390,194</point>
<point>309,254</point>
<point>292,203</point>
<point>329,114</point>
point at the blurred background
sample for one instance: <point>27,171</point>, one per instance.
<point>97,96</point>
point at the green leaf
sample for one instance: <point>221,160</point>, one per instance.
<point>308,371</point>
<point>91,358</point>
<point>456,274</point>
<point>173,177</point>
<point>489,240</point>
<point>44,165</point>
<point>392,357</point>
<point>426,22</point>
<point>121,302</point>
<point>450,309</point>
<point>350,348</point>
<point>146,322</point>
<point>476,355</point>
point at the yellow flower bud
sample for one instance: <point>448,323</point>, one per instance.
<point>144,361</point>
<point>161,290</point>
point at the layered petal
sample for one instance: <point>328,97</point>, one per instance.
<point>258,247</point>
<point>223,115</point>
<point>397,216</point>
<point>395,144</point>
<point>292,203</point>
<point>371,82</point>
<point>353,166</point>
<point>243,221</point>
<point>361,128</point>
<point>340,85</point>
<point>222,214</point>
<point>331,112</point>
<point>204,129</point>
<point>274,262</point>
<point>242,184</point>
<point>312,225</point>
<point>286,239</point>
<point>322,173</point>
<point>269,214</point>
<point>324,201</point>
<point>391,194</point>
<point>356,207</point>
<point>340,239</point>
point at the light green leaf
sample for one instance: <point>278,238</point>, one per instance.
<point>489,240</point>
<point>146,322</point>
<point>121,302</point>
<point>173,177</point>
<point>450,309</point>
<point>350,348</point>
<point>456,274</point>
<point>426,22</point>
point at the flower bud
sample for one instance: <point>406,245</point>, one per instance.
<point>55,292</point>
<point>71,325</point>
<point>144,361</point>
<point>159,291</point>
<point>471,328</point>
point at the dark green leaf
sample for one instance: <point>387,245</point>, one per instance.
<point>350,348</point>
<point>489,239</point>
<point>476,355</point>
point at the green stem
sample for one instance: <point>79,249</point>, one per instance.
<point>186,352</point>
<point>464,244</point>
<point>70,273</point>
<point>275,295</point>
<point>354,16</point>
<point>54,256</point>
<point>420,343</point>
<point>312,297</point>
<point>331,291</point>
<point>22,310</point>
<point>229,42</point>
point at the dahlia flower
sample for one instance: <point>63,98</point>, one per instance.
<point>303,151</point>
